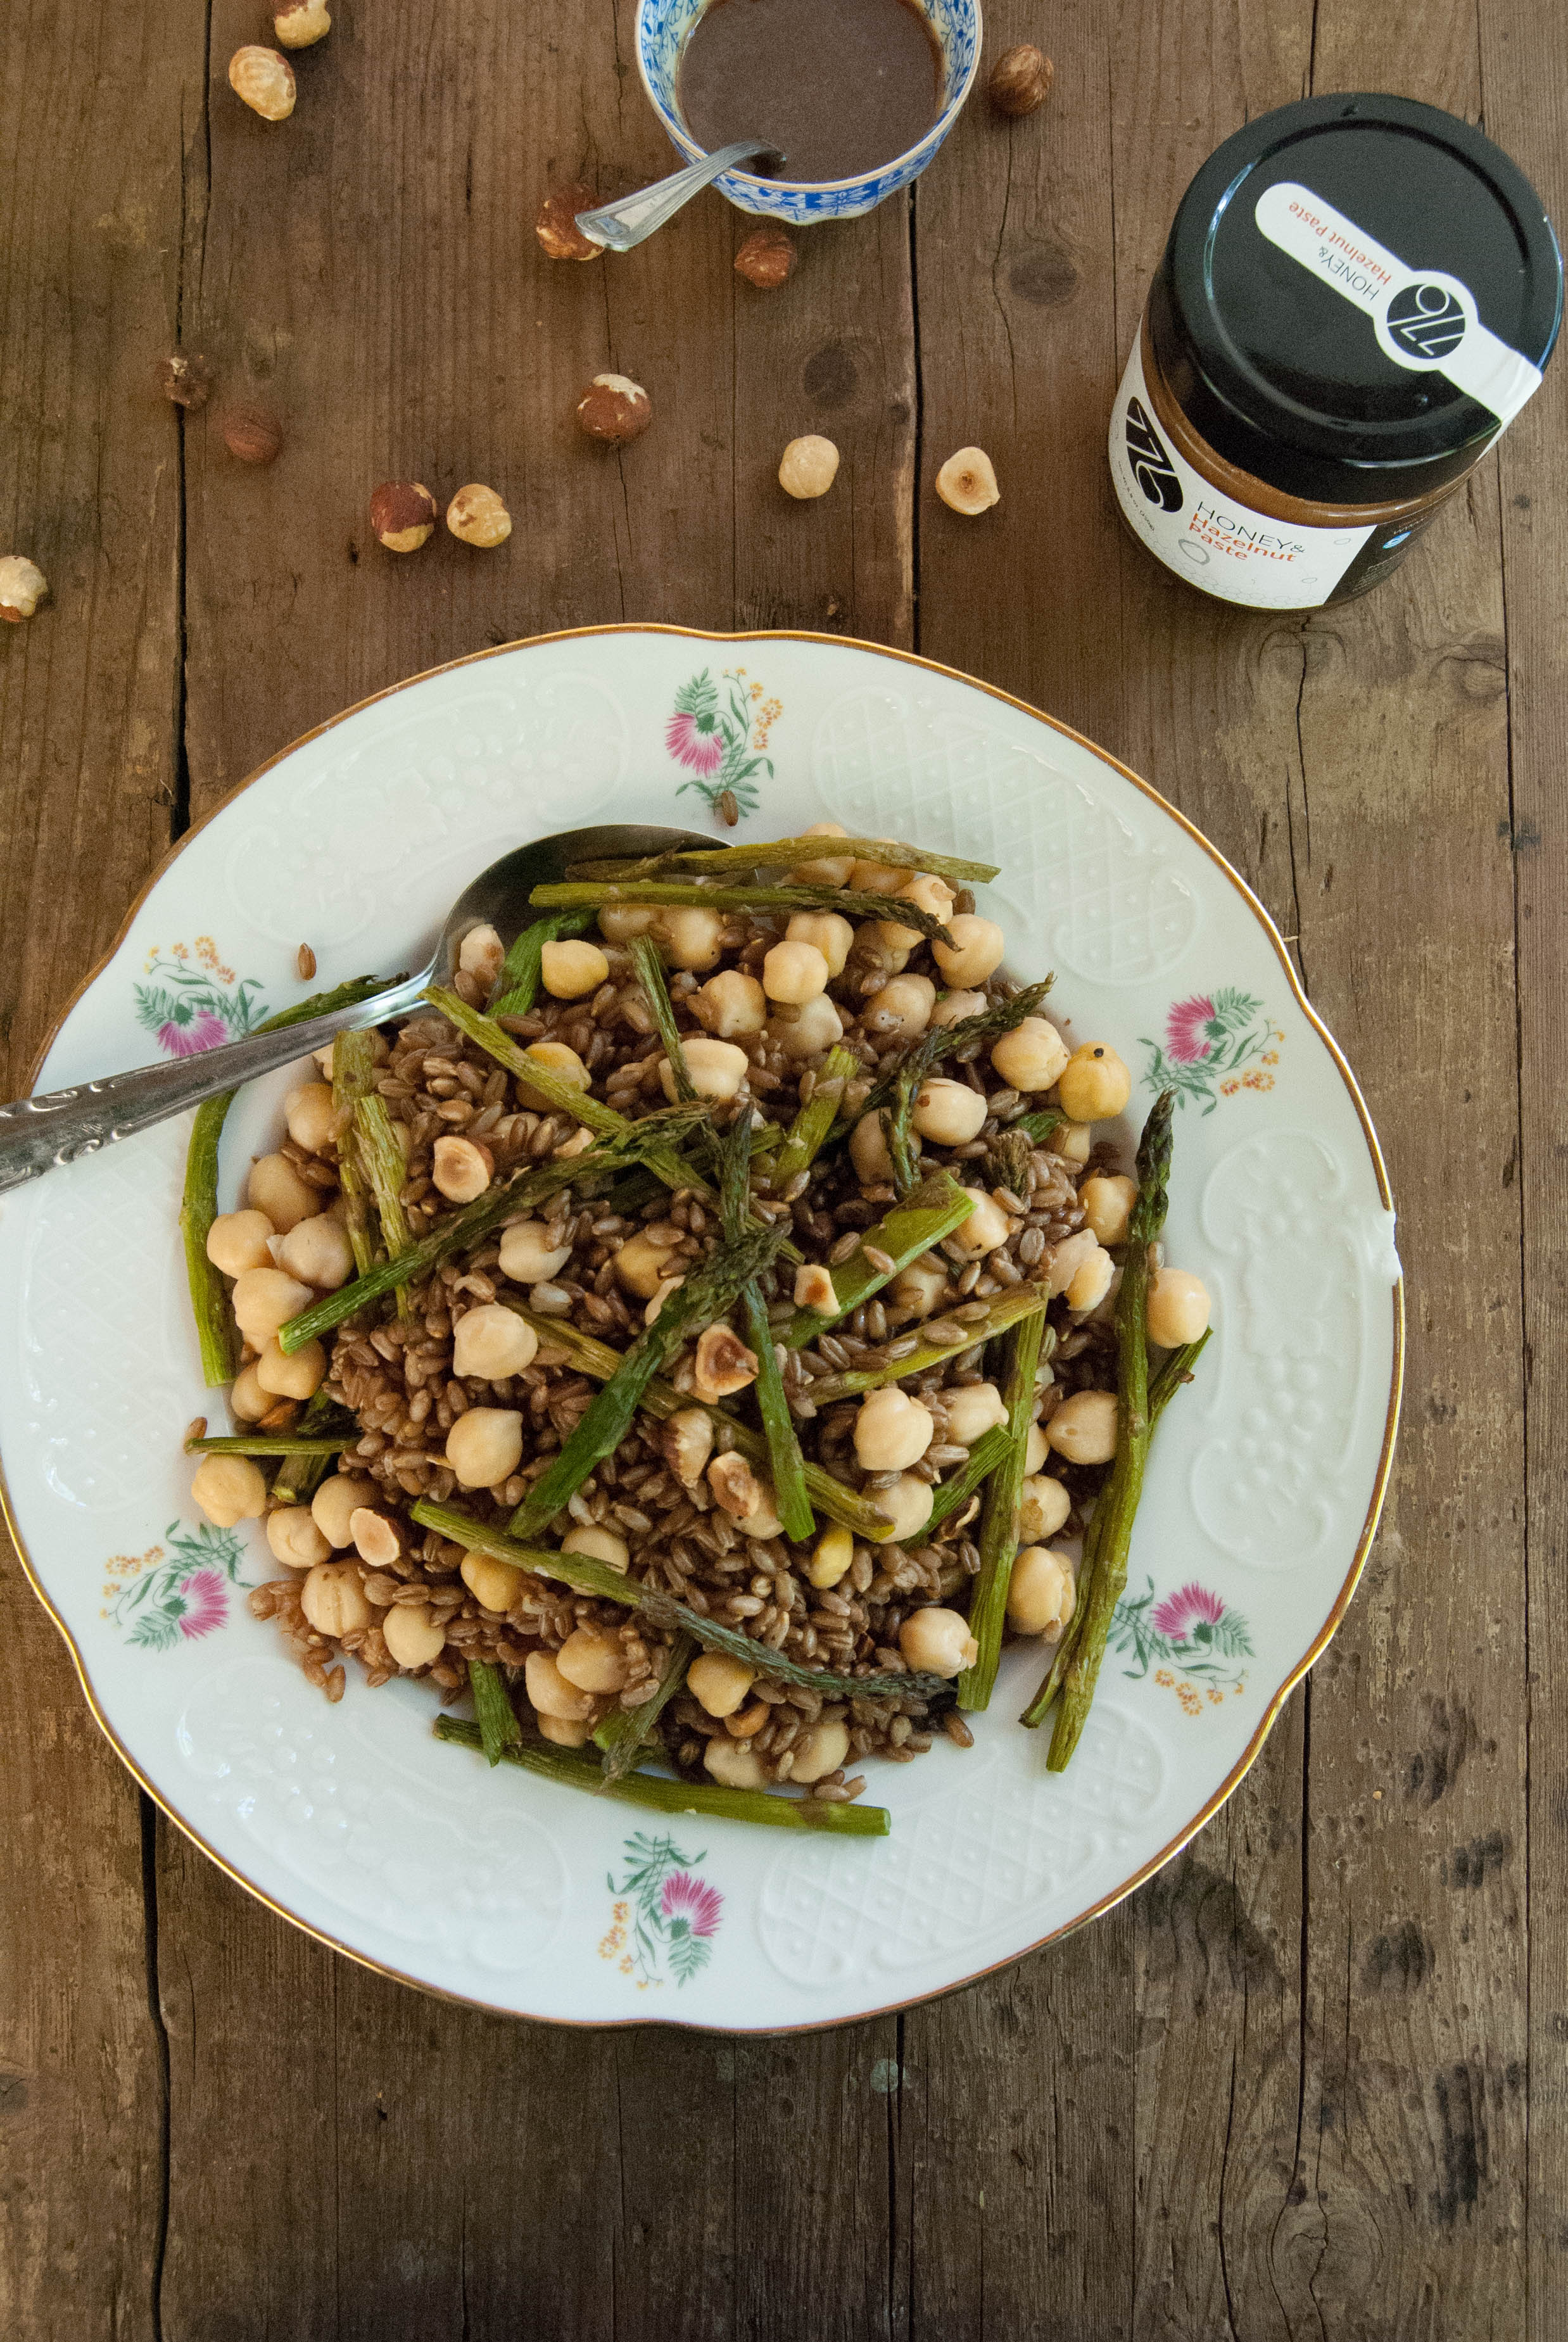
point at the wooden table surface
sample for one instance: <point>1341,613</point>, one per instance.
<point>1309,2081</point>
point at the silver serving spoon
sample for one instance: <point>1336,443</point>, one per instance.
<point>633,217</point>
<point>37,1133</point>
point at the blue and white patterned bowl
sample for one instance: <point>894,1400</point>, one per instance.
<point>663,28</point>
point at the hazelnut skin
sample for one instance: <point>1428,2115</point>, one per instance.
<point>253,434</point>
<point>264,80</point>
<point>302,24</point>
<point>767,257</point>
<point>402,514</point>
<point>478,517</point>
<point>188,381</point>
<point>1021,80</point>
<point>556,226</point>
<point>615,409</point>
<point>22,587</point>
<point>967,482</point>
<point>808,467</point>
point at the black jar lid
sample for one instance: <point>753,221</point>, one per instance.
<point>1284,374</point>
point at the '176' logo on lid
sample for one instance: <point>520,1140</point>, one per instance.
<point>1151,467</point>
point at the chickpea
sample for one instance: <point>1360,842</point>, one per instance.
<point>906,1503</point>
<point>494,1583</point>
<point>317,1252</point>
<point>412,1636</point>
<point>816,1028</point>
<point>718,1683</point>
<point>916,1290</point>
<point>593,1660</point>
<point>247,1400</point>
<point>892,1430</point>
<point>973,1410</point>
<point>717,1069</point>
<point>334,1502</point>
<point>640,1262</point>
<point>603,1544</point>
<point>794,974</point>
<point>554,1057</point>
<point>901,1010</point>
<point>877,879</point>
<point>566,1731</point>
<point>834,1552</point>
<point>927,893</point>
<point>490,1343</point>
<point>619,922</point>
<point>480,955</point>
<point>833,870</point>
<point>732,1002</point>
<point>238,1240</point>
<point>571,970</point>
<point>820,1750</point>
<point>949,1112</point>
<point>229,1490</point>
<point>299,1375</point>
<point>987,1228</point>
<point>294,1537</point>
<point>264,1299</point>
<point>1108,1200</point>
<point>1042,1506</point>
<point>1090,1281</point>
<point>868,1151</point>
<point>1036,1449</point>
<point>1072,1141</point>
<point>735,1763</point>
<point>1029,1058</point>
<point>332,1598</point>
<point>1040,1594</point>
<point>460,1170</point>
<point>825,931</point>
<point>808,467</point>
<point>1178,1308</point>
<point>691,938</point>
<point>484,1447</point>
<point>1084,1428</point>
<point>275,1188</point>
<point>527,1255</point>
<point>311,1116</point>
<point>938,1642</point>
<point>975,951</point>
<point>549,1692</point>
<point>954,1006</point>
<point>1094,1084</point>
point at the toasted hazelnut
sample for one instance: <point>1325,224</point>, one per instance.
<point>188,381</point>
<point>401,514</point>
<point>808,467</point>
<point>725,1365</point>
<point>253,434</point>
<point>462,1169</point>
<point>614,408</point>
<point>967,483</point>
<point>1021,79</point>
<point>687,1442</point>
<point>22,587</point>
<point>301,23</point>
<point>814,1289</point>
<point>767,257</point>
<point>735,1487</point>
<point>556,226</point>
<point>264,80</point>
<point>478,517</point>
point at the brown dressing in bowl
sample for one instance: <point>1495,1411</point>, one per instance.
<point>840,86</point>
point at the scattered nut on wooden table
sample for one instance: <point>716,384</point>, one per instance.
<point>401,514</point>
<point>556,226</point>
<point>264,80</point>
<point>187,380</point>
<point>767,257</point>
<point>253,434</point>
<point>22,587</point>
<point>967,482</point>
<point>478,517</point>
<point>1021,80</point>
<point>301,24</point>
<point>614,408</point>
<point>808,467</point>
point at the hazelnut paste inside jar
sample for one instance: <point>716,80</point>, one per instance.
<point>1358,295</point>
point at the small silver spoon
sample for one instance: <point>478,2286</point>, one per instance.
<point>627,222</point>
<point>37,1133</point>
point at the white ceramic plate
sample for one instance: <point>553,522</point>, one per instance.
<point>1265,1476</point>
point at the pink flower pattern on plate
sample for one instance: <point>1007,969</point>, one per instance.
<point>205,1031</point>
<point>1185,1038</point>
<point>693,1900</point>
<point>1180,1612</point>
<point>207,1603</point>
<point>693,741</point>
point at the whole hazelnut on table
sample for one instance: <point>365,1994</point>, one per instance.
<point>556,226</point>
<point>187,381</point>
<point>1021,80</point>
<point>967,482</point>
<point>767,257</point>
<point>253,434</point>
<point>401,514</point>
<point>22,587</point>
<point>264,80</point>
<point>478,517</point>
<point>808,467</point>
<point>301,23</point>
<point>615,409</point>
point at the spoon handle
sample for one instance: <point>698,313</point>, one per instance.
<point>37,1133</point>
<point>623,223</point>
